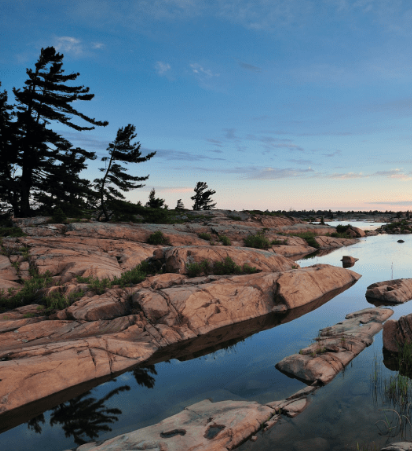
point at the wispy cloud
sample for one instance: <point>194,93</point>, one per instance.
<point>216,142</point>
<point>74,46</point>
<point>400,202</point>
<point>162,68</point>
<point>277,173</point>
<point>180,155</point>
<point>332,154</point>
<point>168,189</point>
<point>304,162</point>
<point>249,67</point>
<point>68,44</point>
<point>395,174</point>
<point>201,71</point>
<point>348,175</point>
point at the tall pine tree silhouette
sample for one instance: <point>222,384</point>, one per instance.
<point>116,178</point>
<point>45,98</point>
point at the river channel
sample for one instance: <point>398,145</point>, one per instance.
<point>341,415</point>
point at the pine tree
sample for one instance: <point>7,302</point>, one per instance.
<point>64,188</point>
<point>155,202</point>
<point>45,98</point>
<point>9,183</point>
<point>179,205</point>
<point>202,198</point>
<point>116,177</point>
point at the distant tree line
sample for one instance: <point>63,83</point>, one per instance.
<point>40,169</point>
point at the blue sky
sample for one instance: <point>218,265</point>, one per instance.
<point>278,104</point>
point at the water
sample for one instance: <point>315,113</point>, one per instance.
<point>340,415</point>
<point>364,225</point>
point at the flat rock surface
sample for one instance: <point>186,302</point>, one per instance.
<point>204,426</point>
<point>399,446</point>
<point>335,347</point>
<point>208,426</point>
<point>395,291</point>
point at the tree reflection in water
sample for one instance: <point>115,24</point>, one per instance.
<point>143,377</point>
<point>84,416</point>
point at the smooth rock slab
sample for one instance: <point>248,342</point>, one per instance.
<point>400,446</point>
<point>205,426</point>
<point>395,291</point>
<point>336,347</point>
<point>177,258</point>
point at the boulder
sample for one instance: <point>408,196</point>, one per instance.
<point>348,261</point>
<point>396,333</point>
<point>328,242</point>
<point>335,347</point>
<point>358,233</point>
<point>395,291</point>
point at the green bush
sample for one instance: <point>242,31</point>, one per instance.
<point>342,228</point>
<point>158,238</point>
<point>278,242</point>
<point>128,278</point>
<point>13,232</point>
<point>225,240</point>
<point>258,241</point>
<point>58,216</point>
<point>204,236</point>
<point>228,266</point>
<point>29,292</point>
<point>309,237</point>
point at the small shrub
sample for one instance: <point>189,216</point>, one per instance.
<point>158,238</point>
<point>309,237</point>
<point>225,240</point>
<point>228,266</point>
<point>258,241</point>
<point>13,232</point>
<point>58,216</point>
<point>342,228</point>
<point>204,236</point>
<point>235,217</point>
<point>278,242</point>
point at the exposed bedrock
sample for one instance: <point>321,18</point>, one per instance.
<point>395,291</point>
<point>106,334</point>
<point>335,347</point>
<point>208,426</point>
<point>185,350</point>
<point>399,446</point>
<point>396,333</point>
<point>177,258</point>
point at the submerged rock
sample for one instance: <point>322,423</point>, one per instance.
<point>395,291</point>
<point>335,347</point>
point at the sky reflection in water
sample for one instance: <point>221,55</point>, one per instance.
<point>340,413</point>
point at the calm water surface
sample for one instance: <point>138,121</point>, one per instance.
<point>340,415</point>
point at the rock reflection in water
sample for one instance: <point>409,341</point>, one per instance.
<point>83,417</point>
<point>228,336</point>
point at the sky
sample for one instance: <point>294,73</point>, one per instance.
<point>275,104</point>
